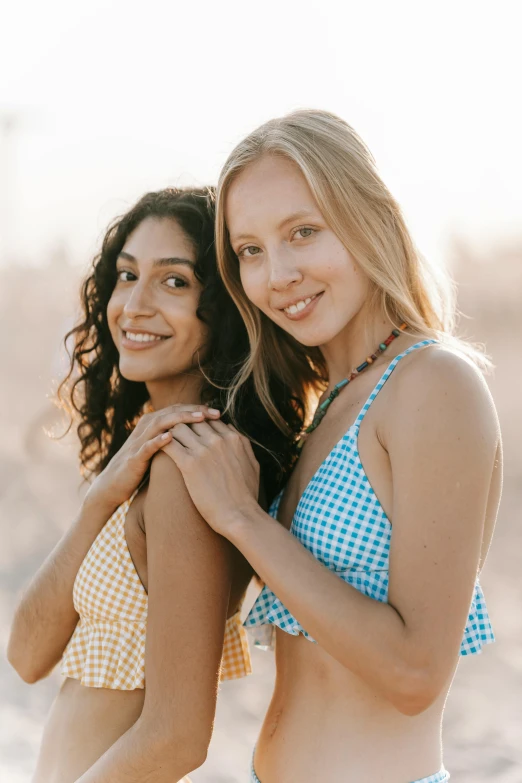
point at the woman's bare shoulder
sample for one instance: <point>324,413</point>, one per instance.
<point>441,384</point>
<point>168,501</point>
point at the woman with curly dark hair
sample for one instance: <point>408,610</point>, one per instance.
<point>140,589</point>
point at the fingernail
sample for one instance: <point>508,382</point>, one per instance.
<point>197,414</point>
<point>165,436</point>
<point>214,411</point>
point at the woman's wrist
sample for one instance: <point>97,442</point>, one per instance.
<point>245,523</point>
<point>96,507</point>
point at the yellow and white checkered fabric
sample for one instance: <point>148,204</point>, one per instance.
<point>107,648</point>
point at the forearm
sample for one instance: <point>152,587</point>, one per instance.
<point>366,636</point>
<point>45,617</point>
<point>145,752</point>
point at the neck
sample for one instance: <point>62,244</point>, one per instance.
<point>359,339</point>
<point>172,391</point>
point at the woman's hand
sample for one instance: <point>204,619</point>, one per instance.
<point>126,470</point>
<point>220,471</point>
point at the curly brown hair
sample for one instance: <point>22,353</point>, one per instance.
<point>108,405</point>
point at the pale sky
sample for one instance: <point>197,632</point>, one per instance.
<point>118,97</point>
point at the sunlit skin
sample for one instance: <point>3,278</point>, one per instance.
<point>287,252</point>
<point>365,702</point>
<point>101,735</point>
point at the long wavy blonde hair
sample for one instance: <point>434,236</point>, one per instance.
<point>355,202</point>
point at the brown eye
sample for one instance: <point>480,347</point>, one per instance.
<point>124,276</point>
<point>175,282</point>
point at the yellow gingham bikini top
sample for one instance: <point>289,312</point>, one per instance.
<point>107,648</point>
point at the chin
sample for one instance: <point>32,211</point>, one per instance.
<point>313,337</point>
<point>137,374</point>
<point>135,377</point>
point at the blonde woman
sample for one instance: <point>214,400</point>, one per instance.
<point>370,554</point>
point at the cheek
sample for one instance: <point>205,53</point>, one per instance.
<point>356,279</point>
<point>344,271</point>
<point>114,310</point>
<point>182,318</point>
<point>199,330</point>
<point>254,284</point>
<point>192,337</point>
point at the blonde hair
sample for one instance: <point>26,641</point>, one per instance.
<point>342,175</point>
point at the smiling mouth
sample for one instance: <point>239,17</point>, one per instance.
<point>144,337</point>
<point>140,340</point>
<point>301,306</point>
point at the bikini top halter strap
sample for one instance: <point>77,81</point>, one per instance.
<point>386,374</point>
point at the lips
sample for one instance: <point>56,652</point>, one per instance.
<point>143,337</point>
<point>300,308</point>
<point>138,339</point>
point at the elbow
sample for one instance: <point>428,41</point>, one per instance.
<point>27,673</point>
<point>197,757</point>
<point>28,676</point>
<point>414,692</point>
<point>191,751</point>
<point>26,669</point>
<point>182,748</point>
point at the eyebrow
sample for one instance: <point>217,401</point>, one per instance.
<point>160,261</point>
<point>301,213</point>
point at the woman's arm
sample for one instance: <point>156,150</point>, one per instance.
<point>443,444</point>
<point>46,618</point>
<point>189,578</point>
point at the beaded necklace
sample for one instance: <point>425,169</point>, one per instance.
<point>320,412</point>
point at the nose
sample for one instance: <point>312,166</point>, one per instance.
<point>140,302</point>
<point>283,271</point>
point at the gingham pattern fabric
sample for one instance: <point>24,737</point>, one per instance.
<point>107,648</point>
<point>236,661</point>
<point>341,522</point>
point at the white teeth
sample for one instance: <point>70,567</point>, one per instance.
<point>141,337</point>
<point>296,308</point>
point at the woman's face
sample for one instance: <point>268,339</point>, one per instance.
<point>292,265</point>
<point>152,310</point>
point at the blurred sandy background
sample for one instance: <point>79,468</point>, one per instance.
<point>101,101</point>
<point>40,490</point>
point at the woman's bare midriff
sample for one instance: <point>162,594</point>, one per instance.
<point>83,724</point>
<point>325,724</point>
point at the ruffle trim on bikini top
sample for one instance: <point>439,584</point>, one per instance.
<point>112,655</point>
<point>269,612</point>
<point>107,655</point>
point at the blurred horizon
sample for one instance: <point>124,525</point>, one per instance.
<point>100,102</point>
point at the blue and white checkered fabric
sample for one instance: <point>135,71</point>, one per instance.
<point>341,522</point>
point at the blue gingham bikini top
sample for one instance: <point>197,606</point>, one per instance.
<point>340,521</point>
